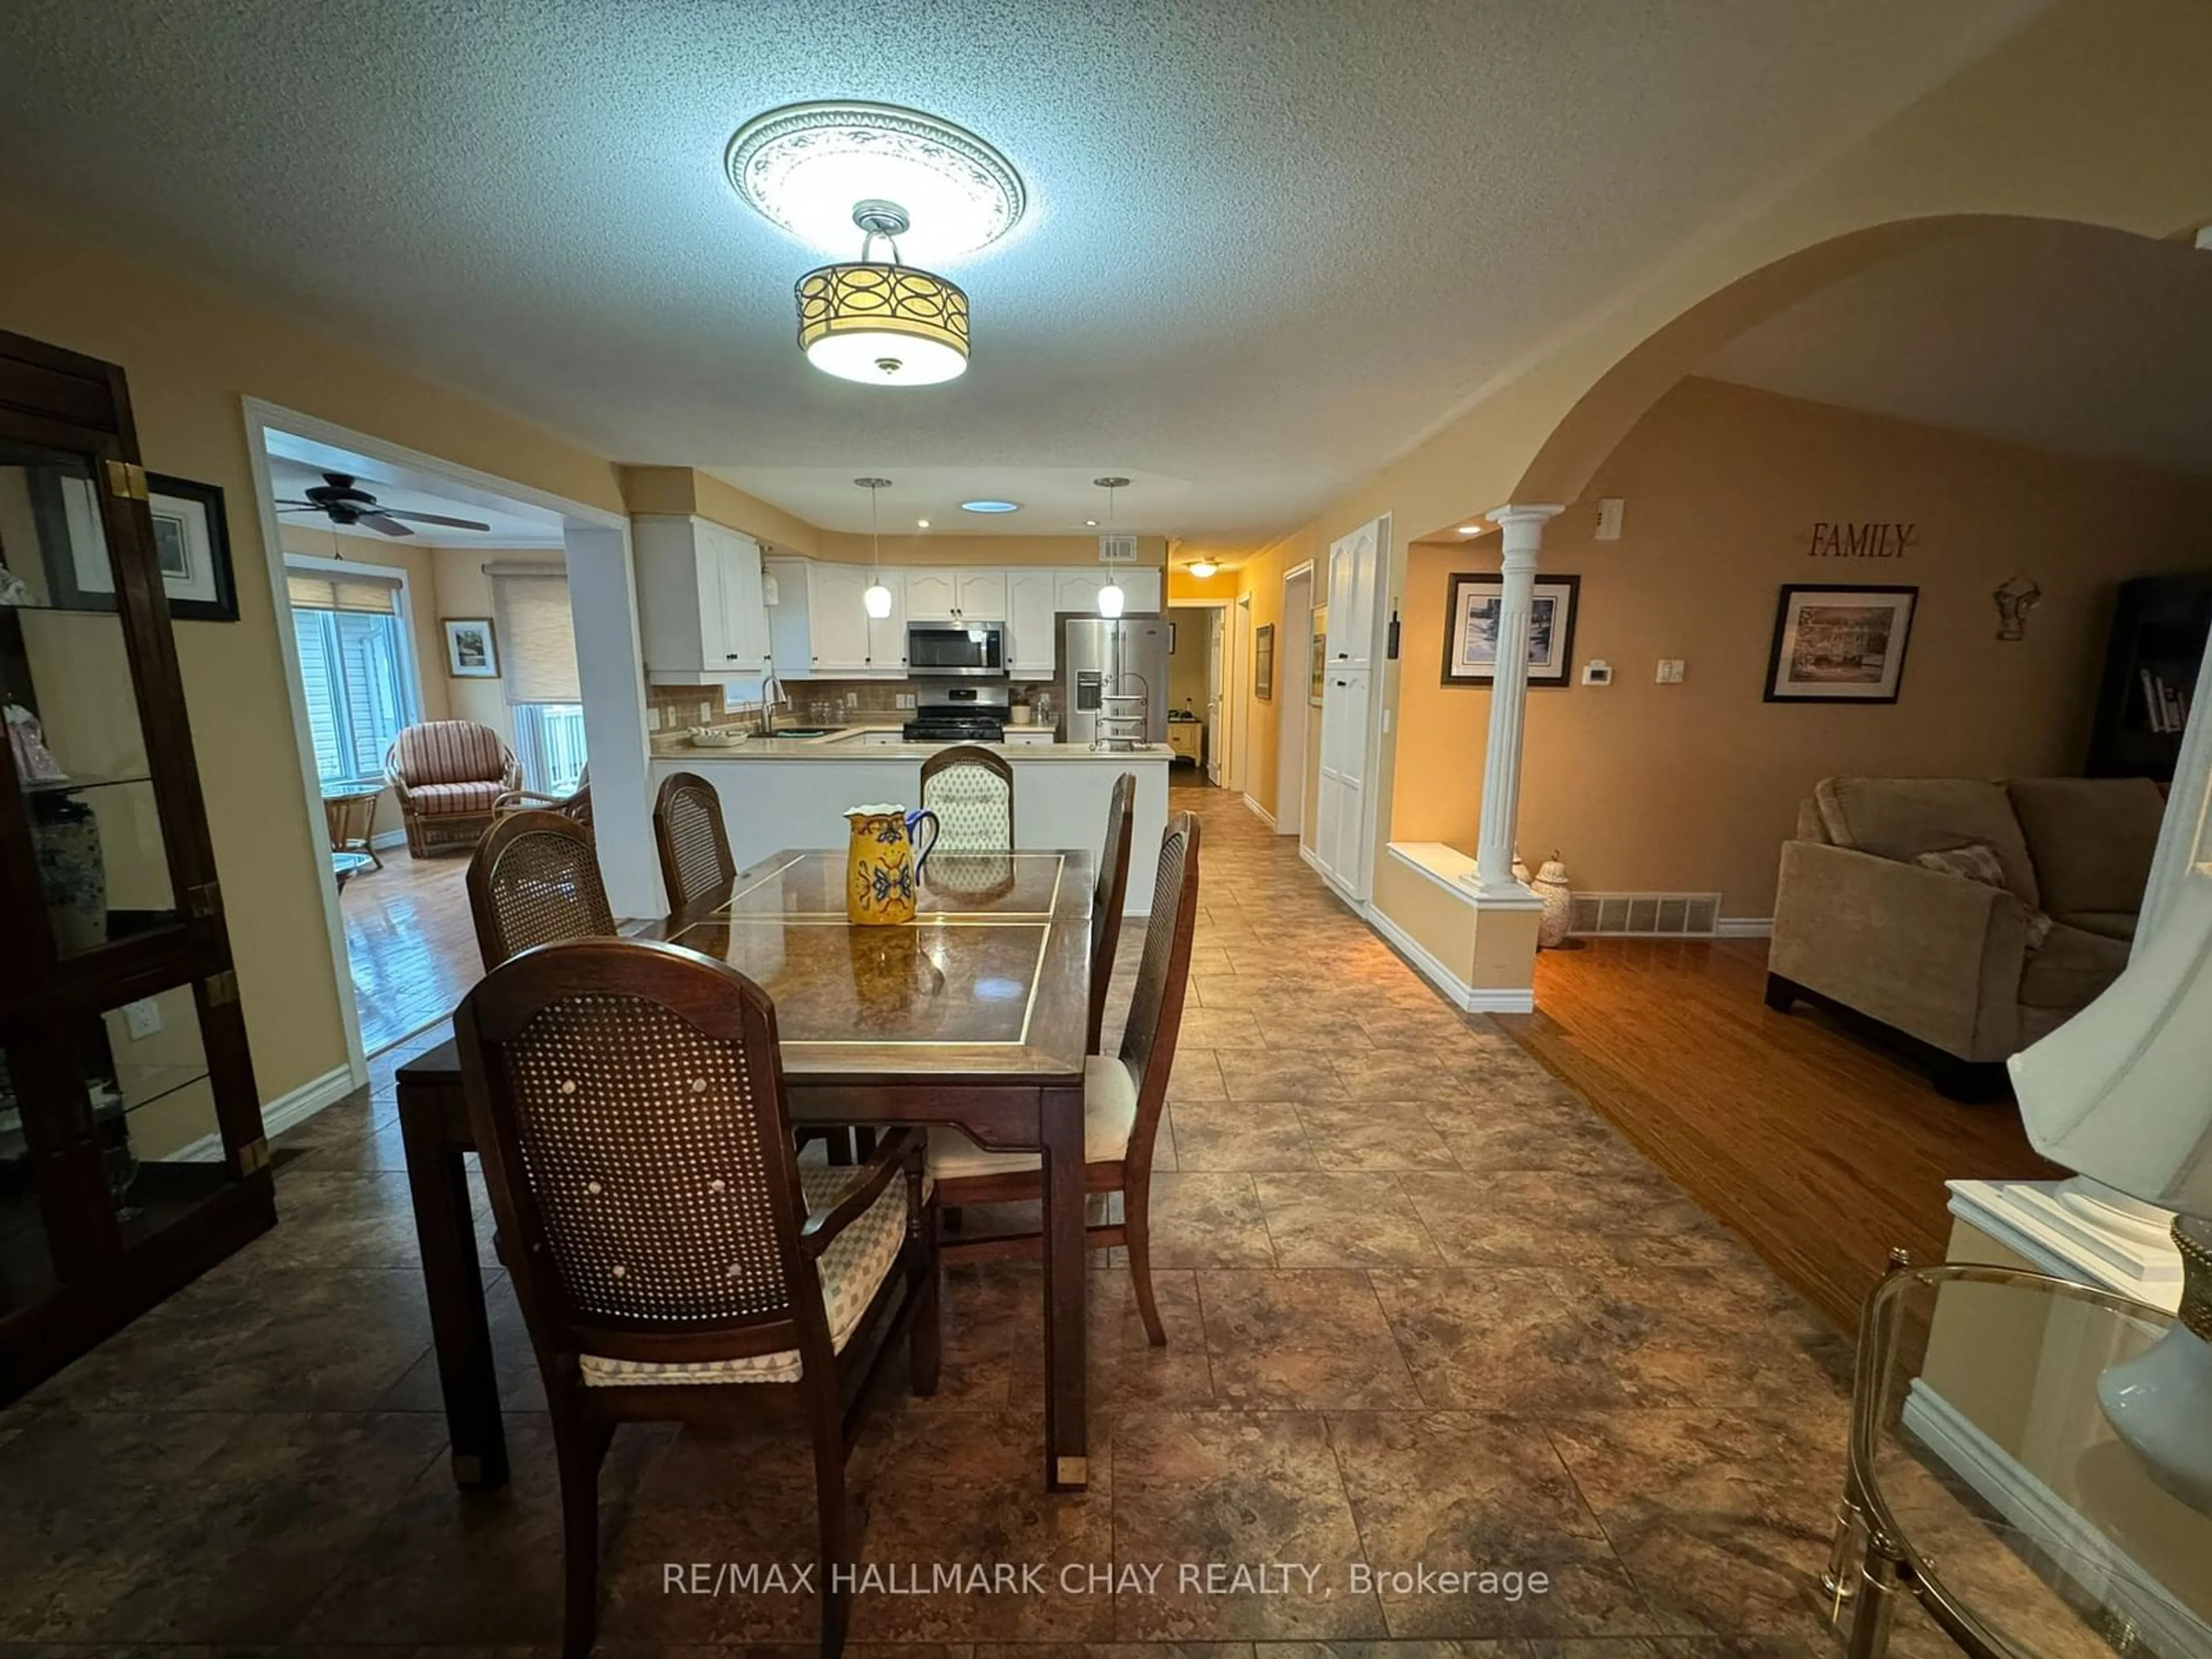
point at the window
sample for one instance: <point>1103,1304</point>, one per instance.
<point>354,666</point>
<point>538,641</point>
<point>550,739</point>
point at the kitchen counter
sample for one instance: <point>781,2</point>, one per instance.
<point>793,792</point>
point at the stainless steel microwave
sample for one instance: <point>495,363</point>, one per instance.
<point>945,648</point>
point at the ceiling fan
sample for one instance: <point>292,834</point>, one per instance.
<point>344,503</point>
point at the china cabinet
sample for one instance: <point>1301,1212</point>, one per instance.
<point>131,1153</point>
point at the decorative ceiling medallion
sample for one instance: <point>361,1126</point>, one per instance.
<point>806,166</point>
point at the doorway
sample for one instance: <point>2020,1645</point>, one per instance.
<point>1294,678</point>
<point>493,604</point>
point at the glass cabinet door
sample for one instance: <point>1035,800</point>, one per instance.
<point>77,741</point>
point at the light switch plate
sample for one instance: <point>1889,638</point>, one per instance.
<point>1597,671</point>
<point>1670,671</point>
<point>1610,509</point>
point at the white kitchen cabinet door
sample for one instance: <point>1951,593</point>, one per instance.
<point>744,632</point>
<point>1031,738</point>
<point>1032,650</point>
<point>979,595</point>
<point>1140,590</point>
<point>1339,835</point>
<point>1077,590</point>
<point>931,594</point>
<point>886,654</point>
<point>790,635</point>
<point>701,616</point>
<point>837,619</point>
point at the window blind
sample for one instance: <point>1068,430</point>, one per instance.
<point>536,637</point>
<point>312,591</point>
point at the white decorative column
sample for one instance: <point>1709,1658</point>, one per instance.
<point>1523,528</point>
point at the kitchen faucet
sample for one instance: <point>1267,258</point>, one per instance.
<point>773,696</point>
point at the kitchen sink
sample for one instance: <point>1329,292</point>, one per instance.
<point>806,731</point>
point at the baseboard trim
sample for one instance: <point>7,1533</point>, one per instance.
<point>1261,812</point>
<point>287,1111</point>
<point>1307,854</point>
<point>2019,1495</point>
<point>1744,927</point>
<point>1469,999</point>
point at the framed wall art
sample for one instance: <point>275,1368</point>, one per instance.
<point>1316,655</point>
<point>1263,662</point>
<point>1839,644</point>
<point>471,653</point>
<point>1471,628</point>
<point>191,534</point>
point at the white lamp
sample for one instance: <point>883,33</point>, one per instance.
<point>1112,598</point>
<point>2123,1093</point>
<point>878,598</point>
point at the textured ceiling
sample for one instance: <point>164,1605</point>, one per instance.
<point>2081,341</point>
<point>1268,244</point>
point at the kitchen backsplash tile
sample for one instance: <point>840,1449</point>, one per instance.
<point>839,702</point>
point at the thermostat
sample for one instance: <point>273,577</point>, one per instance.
<point>1597,673</point>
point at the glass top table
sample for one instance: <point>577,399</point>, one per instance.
<point>1986,1482</point>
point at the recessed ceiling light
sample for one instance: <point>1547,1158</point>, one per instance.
<point>990,507</point>
<point>922,523</point>
<point>806,166</point>
<point>1090,524</point>
<point>1470,530</point>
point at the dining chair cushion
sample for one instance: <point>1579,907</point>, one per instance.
<point>439,799</point>
<point>1110,1115</point>
<point>853,1270</point>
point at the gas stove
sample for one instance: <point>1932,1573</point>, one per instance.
<point>959,713</point>
<point>955,728</point>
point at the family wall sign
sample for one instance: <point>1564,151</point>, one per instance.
<point>1863,539</point>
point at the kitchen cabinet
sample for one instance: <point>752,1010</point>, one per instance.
<point>935,594</point>
<point>837,620</point>
<point>1077,590</point>
<point>1340,796</point>
<point>1032,650</point>
<point>1354,571</point>
<point>1034,737</point>
<point>820,629</point>
<point>702,614</point>
<point>1184,738</point>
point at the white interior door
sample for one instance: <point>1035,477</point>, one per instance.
<point>1292,656</point>
<point>1215,668</point>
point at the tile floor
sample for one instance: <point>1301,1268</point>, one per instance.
<point>1423,1307</point>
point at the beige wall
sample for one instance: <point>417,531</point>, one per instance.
<point>1186,667</point>
<point>932,548</point>
<point>1643,786</point>
<point>191,354</point>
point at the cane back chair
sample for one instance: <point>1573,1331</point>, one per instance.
<point>534,879</point>
<point>1122,1095</point>
<point>576,803</point>
<point>696,865</point>
<point>673,1262</point>
<point>971,790</point>
<point>1107,899</point>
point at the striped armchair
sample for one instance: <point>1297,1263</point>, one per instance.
<point>448,776</point>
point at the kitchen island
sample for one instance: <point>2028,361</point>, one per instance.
<point>793,792</point>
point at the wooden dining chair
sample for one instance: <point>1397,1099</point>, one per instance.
<point>696,865</point>
<point>971,790</point>
<point>673,1262</point>
<point>534,879</point>
<point>1122,1095</point>
<point>1110,893</point>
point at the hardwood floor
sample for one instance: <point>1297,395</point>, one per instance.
<point>1807,1138</point>
<point>411,943</point>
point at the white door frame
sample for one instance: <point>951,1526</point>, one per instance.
<point>1291,702</point>
<point>1240,661</point>
<point>620,816</point>
<point>1214,765</point>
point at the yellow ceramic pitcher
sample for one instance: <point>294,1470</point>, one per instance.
<point>883,867</point>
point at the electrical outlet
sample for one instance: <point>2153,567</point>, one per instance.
<point>652,718</point>
<point>142,1018</point>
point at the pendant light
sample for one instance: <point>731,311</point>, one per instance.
<point>877,598</point>
<point>884,324</point>
<point>1112,598</point>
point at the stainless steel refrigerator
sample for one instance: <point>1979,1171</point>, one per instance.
<point>1102,659</point>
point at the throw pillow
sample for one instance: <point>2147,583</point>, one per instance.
<point>1976,863</point>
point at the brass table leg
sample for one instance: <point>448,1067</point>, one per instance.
<point>1877,1598</point>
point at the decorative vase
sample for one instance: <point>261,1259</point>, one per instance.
<point>71,872</point>
<point>2160,1401</point>
<point>882,868</point>
<point>1551,886</point>
<point>1520,869</point>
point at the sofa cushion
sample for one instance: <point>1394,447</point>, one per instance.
<point>448,751</point>
<point>2092,839</point>
<point>443,800</point>
<point>1976,863</point>
<point>2072,969</point>
<point>2112,924</point>
<point>1901,818</point>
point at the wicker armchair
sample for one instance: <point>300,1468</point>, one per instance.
<point>575,806</point>
<point>672,1261</point>
<point>448,776</point>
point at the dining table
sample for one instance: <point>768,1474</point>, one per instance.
<point>972,1015</point>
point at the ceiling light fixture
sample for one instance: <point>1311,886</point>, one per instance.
<point>884,324</point>
<point>1470,530</point>
<point>877,598</point>
<point>922,523</point>
<point>1202,569</point>
<point>1112,598</point>
<point>988,506</point>
<point>805,166</point>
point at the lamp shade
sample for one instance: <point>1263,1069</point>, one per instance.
<point>886,325</point>
<point>2122,1091</point>
<point>1111,600</point>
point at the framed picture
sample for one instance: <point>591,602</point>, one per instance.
<point>1471,630</point>
<point>1839,644</point>
<point>471,652</point>
<point>1316,655</point>
<point>1263,662</point>
<point>191,541</point>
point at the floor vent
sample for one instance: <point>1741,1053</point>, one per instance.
<point>1646,915</point>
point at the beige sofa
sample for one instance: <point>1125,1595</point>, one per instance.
<point>1946,961</point>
